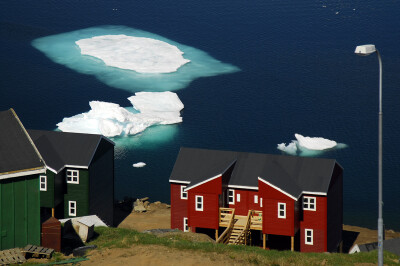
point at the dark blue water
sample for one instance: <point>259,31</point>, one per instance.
<point>298,74</point>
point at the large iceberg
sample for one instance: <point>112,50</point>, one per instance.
<point>113,58</point>
<point>309,146</point>
<point>143,55</point>
<point>110,119</point>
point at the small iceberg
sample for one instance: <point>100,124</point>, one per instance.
<point>111,120</point>
<point>139,165</point>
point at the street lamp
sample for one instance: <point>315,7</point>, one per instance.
<point>365,50</point>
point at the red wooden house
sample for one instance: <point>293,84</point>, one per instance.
<point>294,200</point>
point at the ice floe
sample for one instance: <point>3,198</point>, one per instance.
<point>309,146</point>
<point>139,165</point>
<point>110,119</point>
<point>139,50</point>
<point>143,55</point>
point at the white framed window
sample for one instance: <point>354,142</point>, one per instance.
<point>43,183</point>
<point>73,176</point>
<point>256,199</point>
<point>261,204</point>
<point>237,197</point>
<point>72,208</point>
<point>281,210</point>
<point>309,203</point>
<point>231,196</point>
<point>199,203</point>
<point>184,194</point>
<point>185,224</point>
<point>308,236</point>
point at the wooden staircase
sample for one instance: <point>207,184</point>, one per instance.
<point>238,227</point>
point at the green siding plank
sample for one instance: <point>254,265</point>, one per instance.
<point>19,210</point>
<point>47,197</point>
<point>7,210</point>
<point>33,210</point>
<point>79,193</point>
<point>0,216</point>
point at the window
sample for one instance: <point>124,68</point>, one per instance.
<point>73,176</point>
<point>183,192</point>
<point>308,236</point>
<point>72,208</point>
<point>261,202</point>
<point>231,196</point>
<point>237,197</point>
<point>43,183</point>
<point>309,203</point>
<point>255,199</point>
<point>281,210</point>
<point>199,203</point>
<point>185,225</point>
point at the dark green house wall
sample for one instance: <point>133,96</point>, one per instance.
<point>101,172</point>
<point>19,212</point>
<point>47,197</point>
<point>77,192</point>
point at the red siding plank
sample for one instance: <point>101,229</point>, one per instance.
<point>178,207</point>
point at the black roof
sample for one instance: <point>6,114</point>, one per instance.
<point>292,174</point>
<point>60,149</point>
<point>18,154</point>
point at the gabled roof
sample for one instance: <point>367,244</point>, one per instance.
<point>64,149</point>
<point>291,174</point>
<point>18,154</point>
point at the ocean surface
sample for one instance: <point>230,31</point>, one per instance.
<point>298,74</point>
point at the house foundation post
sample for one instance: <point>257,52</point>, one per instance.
<point>341,247</point>
<point>52,212</point>
<point>292,243</point>
<point>216,234</point>
<point>264,241</point>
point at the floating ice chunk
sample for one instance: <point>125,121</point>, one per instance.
<point>110,119</point>
<point>291,148</point>
<point>138,165</point>
<point>315,143</point>
<point>62,49</point>
<point>143,55</point>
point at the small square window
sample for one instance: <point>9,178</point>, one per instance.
<point>309,203</point>
<point>185,225</point>
<point>72,208</point>
<point>73,176</point>
<point>237,197</point>
<point>184,194</point>
<point>199,203</point>
<point>282,210</point>
<point>255,199</point>
<point>308,236</point>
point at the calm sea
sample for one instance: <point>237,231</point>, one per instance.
<point>298,74</point>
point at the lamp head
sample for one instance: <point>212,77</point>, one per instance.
<point>365,49</point>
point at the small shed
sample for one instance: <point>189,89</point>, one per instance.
<point>51,234</point>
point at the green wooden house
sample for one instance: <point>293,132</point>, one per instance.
<point>20,167</point>
<point>79,178</point>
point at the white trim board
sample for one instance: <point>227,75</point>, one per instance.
<point>24,173</point>
<point>178,181</point>
<point>243,187</point>
<point>203,182</point>
<point>279,189</point>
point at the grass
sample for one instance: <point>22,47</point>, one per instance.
<point>125,238</point>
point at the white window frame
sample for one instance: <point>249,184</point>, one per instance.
<point>43,182</point>
<point>256,199</point>
<point>307,202</point>
<point>306,236</point>
<point>261,202</point>
<point>70,175</point>
<point>281,207</point>
<point>184,194</point>
<point>237,197</point>
<point>201,202</point>
<point>231,198</point>
<point>185,224</point>
<point>70,208</point>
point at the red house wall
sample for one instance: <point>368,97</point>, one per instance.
<point>246,202</point>
<point>316,220</point>
<point>208,218</point>
<point>271,223</point>
<point>178,207</point>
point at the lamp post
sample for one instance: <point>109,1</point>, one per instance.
<point>365,50</point>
